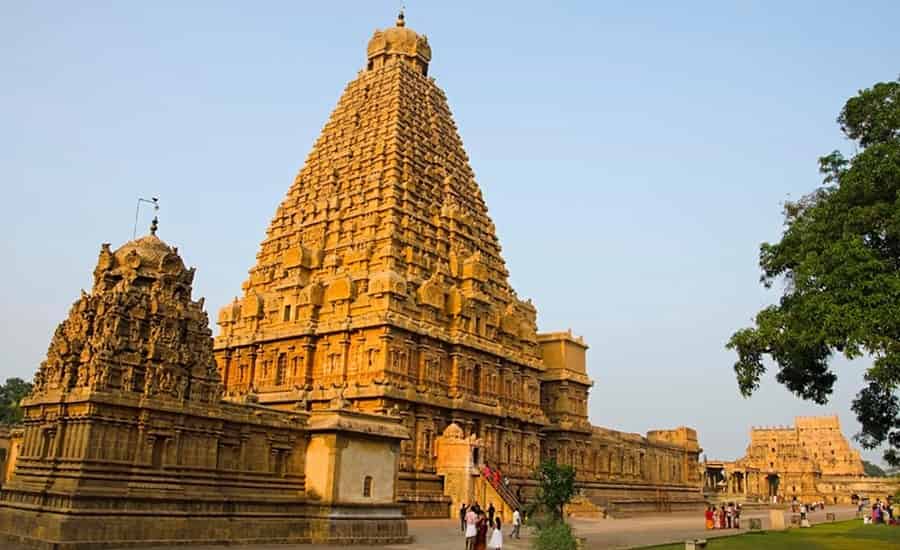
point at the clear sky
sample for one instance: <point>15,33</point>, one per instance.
<point>633,157</point>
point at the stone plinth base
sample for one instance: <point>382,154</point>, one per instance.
<point>422,496</point>
<point>87,531</point>
<point>625,499</point>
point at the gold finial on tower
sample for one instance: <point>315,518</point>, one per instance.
<point>401,18</point>
<point>154,225</point>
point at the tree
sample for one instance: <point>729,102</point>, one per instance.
<point>557,486</point>
<point>873,470</point>
<point>839,261</point>
<point>10,394</point>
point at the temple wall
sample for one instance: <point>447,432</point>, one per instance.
<point>842,489</point>
<point>209,451</point>
<point>152,471</point>
<point>367,460</point>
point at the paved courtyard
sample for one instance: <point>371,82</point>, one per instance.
<point>444,534</point>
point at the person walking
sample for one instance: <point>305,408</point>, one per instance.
<point>516,524</point>
<point>710,517</point>
<point>490,513</point>
<point>462,516</point>
<point>496,541</point>
<point>471,529</point>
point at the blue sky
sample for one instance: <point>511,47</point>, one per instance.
<point>633,156</point>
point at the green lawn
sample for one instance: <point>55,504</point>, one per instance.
<point>845,535</point>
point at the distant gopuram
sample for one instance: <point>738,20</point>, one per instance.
<point>810,461</point>
<point>380,282</point>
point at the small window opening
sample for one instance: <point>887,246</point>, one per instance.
<point>367,486</point>
<point>287,313</point>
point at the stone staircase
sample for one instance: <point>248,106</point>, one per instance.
<point>488,491</point>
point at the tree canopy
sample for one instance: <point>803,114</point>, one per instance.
<point>556,486</point>
<point>873,470</point>
<point>839,262</point>
<point>10,394</point>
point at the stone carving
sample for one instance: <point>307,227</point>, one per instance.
<point>139,309</point>
<point>340,401</point>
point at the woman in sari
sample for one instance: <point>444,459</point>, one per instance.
<point>481,527</point>
<point>709,517</point>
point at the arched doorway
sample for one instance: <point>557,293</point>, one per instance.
<point>772,483</point>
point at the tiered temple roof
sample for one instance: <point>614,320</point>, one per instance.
<point>385,224</point>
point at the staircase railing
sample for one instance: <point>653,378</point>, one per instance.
<point>497,483</point>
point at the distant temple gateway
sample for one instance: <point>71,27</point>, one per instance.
<point>377,361</point>
<point>810,461</point>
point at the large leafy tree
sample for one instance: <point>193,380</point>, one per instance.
<point>10,394</point>
<point>839,262</point>
<point>556,486</point>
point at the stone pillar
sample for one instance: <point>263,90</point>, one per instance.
<point>455,374</point>
<point>226,369</point>
<point>253,355</point>
<point>345,356</point>
<point>309,355</point>
<point>421,355</point>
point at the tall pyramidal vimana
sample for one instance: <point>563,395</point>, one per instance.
<point>380,282</point>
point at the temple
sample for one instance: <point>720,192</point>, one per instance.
<point>380,281</point>
<point>377,366</point>
<point>126,440</point>
<point>810,461</point>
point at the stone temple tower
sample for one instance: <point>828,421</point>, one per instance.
<point>380,278</point>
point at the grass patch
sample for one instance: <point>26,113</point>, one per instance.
<point>844,535</point>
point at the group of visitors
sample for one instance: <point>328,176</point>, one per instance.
<point>477,524</point>
<point>798,507</point>
<point>882,512</point>
<point>724,517</point>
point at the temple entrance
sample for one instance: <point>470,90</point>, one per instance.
<point>737,483</point>
<point>714,481</point>
<point>772,483</point>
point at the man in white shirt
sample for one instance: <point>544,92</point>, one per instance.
<point>516,523</point>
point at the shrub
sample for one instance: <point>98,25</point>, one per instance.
<point>555,536</point>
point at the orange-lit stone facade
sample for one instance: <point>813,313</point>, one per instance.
<point>380,280</point>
